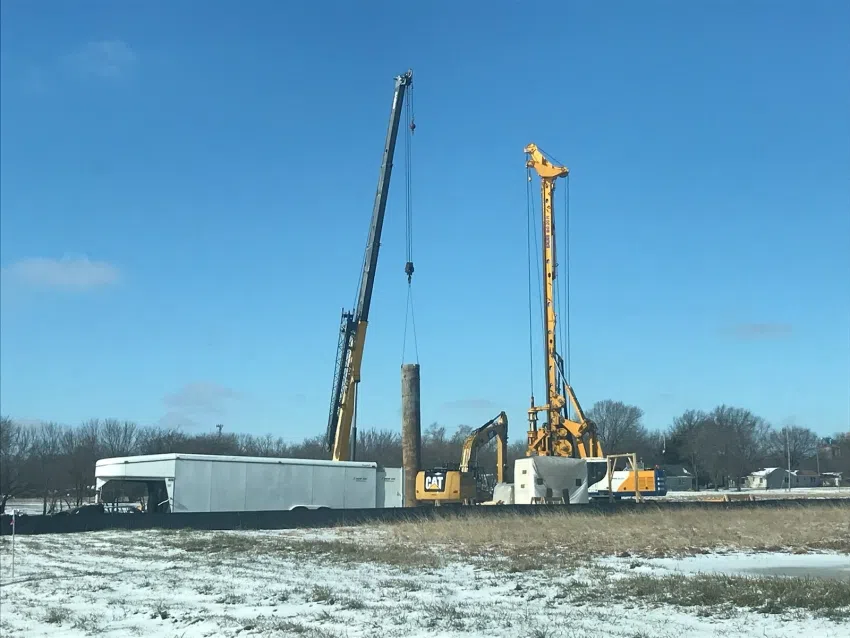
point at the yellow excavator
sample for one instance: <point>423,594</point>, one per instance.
<point>464,483</point>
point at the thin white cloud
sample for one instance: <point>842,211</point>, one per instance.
<point>103,58</point>
<point>201,397</point>
<point>68,273</point>
<point>761,330</point>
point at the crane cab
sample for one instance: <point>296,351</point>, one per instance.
<point>625,483</point>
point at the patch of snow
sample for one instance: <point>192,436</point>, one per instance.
<point>813,565</point>
<point>759,494</point>
<point>118,583</point>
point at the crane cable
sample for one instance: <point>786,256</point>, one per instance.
<point>408,223</point>
<point>564,294</point>
<point>566,322</point>
<point>534,248</point>
<point>564,325</point>
<point>529,229</point>
<point>563,290</point>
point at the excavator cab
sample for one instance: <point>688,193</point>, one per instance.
<point>441,486</point>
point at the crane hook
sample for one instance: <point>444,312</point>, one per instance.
<point>408,269</point>
<point>412,126</point>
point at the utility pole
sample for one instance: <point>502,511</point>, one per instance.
<point>219,427</point>
<point>788,452</point>
<point>817,457</point>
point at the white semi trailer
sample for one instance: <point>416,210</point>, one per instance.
<point>212,483</point>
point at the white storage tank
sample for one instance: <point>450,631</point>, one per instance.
<point>550,479</point>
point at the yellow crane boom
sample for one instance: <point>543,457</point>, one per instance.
<point>352,333</point>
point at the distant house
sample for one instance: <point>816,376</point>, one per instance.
<point>831,479</point>
<point>774,478</point>
<point>678,478</point>
<point>805,478</point>
<point>770,478</point>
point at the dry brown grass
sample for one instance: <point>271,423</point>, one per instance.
<point>648,532</point>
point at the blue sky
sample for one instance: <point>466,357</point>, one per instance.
<point>186,191</point>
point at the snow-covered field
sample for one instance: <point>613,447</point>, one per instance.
<point>797,492</point>
<point>354,583</point>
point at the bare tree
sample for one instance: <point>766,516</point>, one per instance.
<point>118,438</point>
<point>801,442</point>
<point>15,449</point>
<point>438,449</point>
<point>839,455</point>
<point>81,448</point>
<point>154,440</point>
<point>685,439</point>
<point>741,442</point>
<point>311,448</point>
<point>619,425</point>
<point>47,451</point>
<point>379,446</point>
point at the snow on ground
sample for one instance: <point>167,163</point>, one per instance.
<point>797,492</point>
<point>30,506</point>
<point>201,584</point>
<point>810,565</point>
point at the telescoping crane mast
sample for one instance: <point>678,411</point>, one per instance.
<point>559,436</point>
<point>353,324</point>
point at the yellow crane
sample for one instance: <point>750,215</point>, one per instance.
<point>559,435</point>
<point>448,485</point>
<point>352,332</point>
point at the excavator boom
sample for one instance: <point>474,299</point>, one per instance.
<point>494,428</point>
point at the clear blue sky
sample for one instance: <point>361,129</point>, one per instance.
<point>186,190</point>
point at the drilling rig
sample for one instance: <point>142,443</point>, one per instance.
<point>561,436</point>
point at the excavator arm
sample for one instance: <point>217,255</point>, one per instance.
<point>494,428</point>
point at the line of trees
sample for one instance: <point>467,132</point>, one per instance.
<point>56,463</point>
